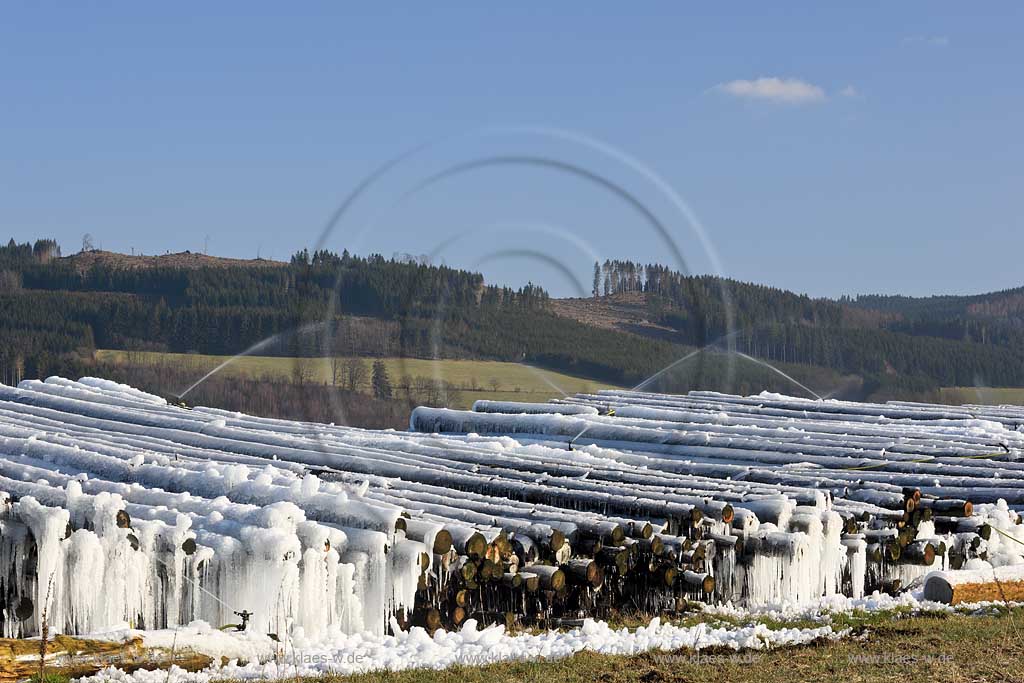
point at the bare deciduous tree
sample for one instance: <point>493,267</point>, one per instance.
<point>303,371</point>
<point>337,371</point>
<point>355,374</point>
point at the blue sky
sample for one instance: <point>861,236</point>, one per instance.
<point>829,150</point>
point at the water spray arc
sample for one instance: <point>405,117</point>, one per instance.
<point>780,372</point>
<point>262,344</point>
<point>730,349</point>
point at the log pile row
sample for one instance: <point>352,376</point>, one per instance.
<point>903,477</point>
<point>273,524</point>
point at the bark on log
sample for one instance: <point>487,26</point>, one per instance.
<point>76,657</point>
<point>551,578</point>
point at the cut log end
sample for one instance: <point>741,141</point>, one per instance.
<point>442,542</point>
<point>556,541</point>
<point>668,575</point>
<point>476,546</point>
<point>511,580</point>
<point>531,582</point>
<point>728,514</point>
<point>938,589</point>
<point>122,519</point>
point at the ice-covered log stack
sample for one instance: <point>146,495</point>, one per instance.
<point>827,495</point>
<point>117,507</point>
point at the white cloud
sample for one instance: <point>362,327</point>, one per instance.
<point>930,41</point>
<point>849,91</point>
<point>785,90</point>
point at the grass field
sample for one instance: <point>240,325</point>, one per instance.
<point>982,395</point>
<point>473,378</point>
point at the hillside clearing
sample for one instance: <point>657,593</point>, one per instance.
<point>626,312</point>
<point>86,260</point>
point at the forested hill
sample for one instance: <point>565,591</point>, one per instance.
<point>1009,302</point>
<point>56,313</point>
<point>996,318</point>
<point>58,310</point>
<point>913,343</point>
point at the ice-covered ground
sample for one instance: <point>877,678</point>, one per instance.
<point>416,649</point>
<point>347,654</point>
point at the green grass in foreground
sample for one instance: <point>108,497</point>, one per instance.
<point>936,647</point>
<point>49,678</point>
<point>982,395</point>
<point>474,379</point>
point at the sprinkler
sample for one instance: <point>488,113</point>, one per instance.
<point>245,616</point>
<point>176,400</point>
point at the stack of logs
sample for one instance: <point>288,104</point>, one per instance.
<point>894,541</point>
<point>614,568</point>
<point>608,567</point>
<point>545,580</point>
<point>537,530</point>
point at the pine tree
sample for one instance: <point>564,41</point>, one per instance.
<point>380,381</point>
